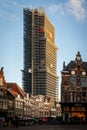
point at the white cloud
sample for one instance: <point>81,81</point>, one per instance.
<point>57,8</point>
<point>75,8</point>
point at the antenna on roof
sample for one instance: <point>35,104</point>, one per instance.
<point>42,9</point>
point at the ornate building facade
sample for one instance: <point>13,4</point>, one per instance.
<point>74,90</point>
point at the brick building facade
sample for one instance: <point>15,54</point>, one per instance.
<point>74,90</point>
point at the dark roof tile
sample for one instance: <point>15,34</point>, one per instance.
<point>70,65</point>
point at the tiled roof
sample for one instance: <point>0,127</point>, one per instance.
<point>71,64</point>
<point>14,93</point>
<point>16,88</point>
<point>66,68</point>
<point>85,64</point>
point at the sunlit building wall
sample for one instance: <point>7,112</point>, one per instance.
<point>40,54</point>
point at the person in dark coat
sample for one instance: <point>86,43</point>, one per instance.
<point>16,121</point>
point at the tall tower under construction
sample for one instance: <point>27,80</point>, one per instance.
<point>40,54</point>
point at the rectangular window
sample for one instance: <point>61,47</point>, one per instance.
<point>84,82</point>
<point>73,80</point>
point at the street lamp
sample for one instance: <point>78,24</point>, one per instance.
<point>31,71</point>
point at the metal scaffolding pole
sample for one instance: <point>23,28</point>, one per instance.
<point>32,51</point>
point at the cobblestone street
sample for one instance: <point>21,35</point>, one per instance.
<point>48,127</point>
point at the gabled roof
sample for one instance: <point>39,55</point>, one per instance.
<point>16,88</point>
<point>77,62</point>
<point>12,92</point>
<point>85,64</point>
<point>71,64</point>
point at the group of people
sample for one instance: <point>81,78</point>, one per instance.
<point>15,122</point>
<point>9,122</point>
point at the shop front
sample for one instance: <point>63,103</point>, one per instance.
<point>74,112</point>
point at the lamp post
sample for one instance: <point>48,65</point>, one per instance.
<point>31,71</point>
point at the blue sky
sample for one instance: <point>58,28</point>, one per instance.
<point>69,18</point>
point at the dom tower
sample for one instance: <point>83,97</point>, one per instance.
<point>40,54</point>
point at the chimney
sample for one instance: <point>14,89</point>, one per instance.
<point>63,65</point>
